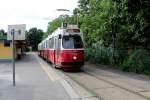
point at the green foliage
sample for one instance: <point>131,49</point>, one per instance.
<point>118,24</point>
<point>3,35</point>
<point>110,27</point>
<point>34,37</point>
<point>88,54</point>
<point>94,15</point>
<point>2,32</point>
<point>99,54</point>
<point>102,54</point>
<point>126,21</point>
<point>52,26</point>
<point>138,61</point>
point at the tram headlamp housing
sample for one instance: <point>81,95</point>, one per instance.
<point>74,57</point>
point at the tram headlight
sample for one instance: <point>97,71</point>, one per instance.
<point>74,57</point>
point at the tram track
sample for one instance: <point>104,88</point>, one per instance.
<point>71,87</point>
<point>106,81</point>
<point>75,77</point>
<point>116,85</point>
<point>82,85</point>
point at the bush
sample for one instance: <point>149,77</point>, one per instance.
<point>99,54</point>
<point>103,55</point>
<point>138,61</point>
<point>120,55</point>
<point>88,54</point>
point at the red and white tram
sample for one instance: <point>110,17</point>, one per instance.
<point>63,48</point>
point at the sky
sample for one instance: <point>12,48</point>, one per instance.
<point>33,13</point>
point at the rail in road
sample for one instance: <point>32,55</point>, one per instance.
<point>116,85</point>
<point>134,95</point>
<point>101,87</point>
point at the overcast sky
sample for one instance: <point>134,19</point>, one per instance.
<point>32,12</point>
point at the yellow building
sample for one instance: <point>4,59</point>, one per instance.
<point>19,32</point>
<point>5,51</point>
<point>5,48</point>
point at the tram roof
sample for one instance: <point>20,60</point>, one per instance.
<point>61,31</point>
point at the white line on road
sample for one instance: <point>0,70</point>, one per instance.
<point>53,76</point>
<point>44,68</point>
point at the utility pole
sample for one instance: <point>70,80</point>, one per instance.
<point>64,20</point>
<point>13,56</point>
<point>77,18</point>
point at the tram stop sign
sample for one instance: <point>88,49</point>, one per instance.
<point>19,33</point>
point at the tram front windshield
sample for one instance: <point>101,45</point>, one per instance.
<point>72,42</point>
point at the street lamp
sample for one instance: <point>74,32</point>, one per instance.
<point>66,10</point>
<point>63,16</point>
<point>63,10</point>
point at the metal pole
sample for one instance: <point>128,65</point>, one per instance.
<point>77,18</point>
<point>13,59</point>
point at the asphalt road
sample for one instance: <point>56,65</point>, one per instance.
<point>32,83</point>
<point>38,80</point>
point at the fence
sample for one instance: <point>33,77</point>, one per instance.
<point>128,59</point>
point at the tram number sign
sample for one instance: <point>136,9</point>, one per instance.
<point>73,30</point>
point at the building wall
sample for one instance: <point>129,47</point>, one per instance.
<point>5,52</point>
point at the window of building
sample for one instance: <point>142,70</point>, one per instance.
<point>19,32</point>
<point>6,43</point>
<point>12,31</point>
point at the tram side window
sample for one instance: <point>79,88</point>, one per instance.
<point>52,43</point>
<point>44,45</point>
<point>59,44</point>
<point>49,43</point>
<point>77,41</point>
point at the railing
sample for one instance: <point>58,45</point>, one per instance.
<point>128,59</point>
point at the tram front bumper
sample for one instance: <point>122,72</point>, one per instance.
<point>72,64</point>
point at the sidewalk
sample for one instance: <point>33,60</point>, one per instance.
<point>32,83</point>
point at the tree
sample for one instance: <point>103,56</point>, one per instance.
<point>125,22</point>
<point>52,26</point>
<point>34,37</point>
<point>2,32</point>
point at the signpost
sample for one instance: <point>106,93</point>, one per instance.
<point>13,52</point>
<point>16,33</point>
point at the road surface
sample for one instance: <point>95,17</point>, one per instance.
<point>38,80</point>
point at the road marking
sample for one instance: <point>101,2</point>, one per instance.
<point>45,69</point>
<point>70,91</point>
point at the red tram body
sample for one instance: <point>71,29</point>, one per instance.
<point>63,48</point>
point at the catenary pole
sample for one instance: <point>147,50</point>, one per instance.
<point>13,56</point>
